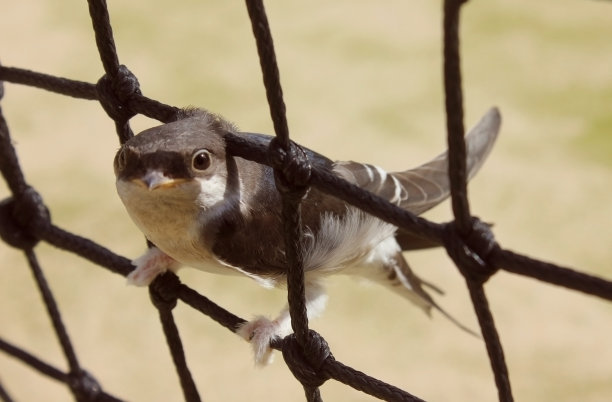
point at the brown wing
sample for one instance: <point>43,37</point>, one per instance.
<point>423,187</point>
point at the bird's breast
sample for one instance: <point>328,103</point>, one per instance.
<point>172,223</point>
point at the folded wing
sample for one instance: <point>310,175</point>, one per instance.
<point>425,186</point>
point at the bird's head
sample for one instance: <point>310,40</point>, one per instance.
<point>184,161</point>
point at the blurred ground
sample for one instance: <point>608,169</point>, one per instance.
<point>362,81</point>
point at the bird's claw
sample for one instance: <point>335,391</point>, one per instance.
<point>149,265</point>
<point>259,332</point>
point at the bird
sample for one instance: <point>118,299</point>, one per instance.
<point>201,207</point>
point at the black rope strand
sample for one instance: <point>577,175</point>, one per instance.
<point>136,102</point>
<point>9,163</point>
<point>47,370</point>
<point>4,395</point>
<point>175,345</point>
<point>269,69</point>
<point>33,361</point>
<point>370,385</point>
<point>454,116</point>
<point>210,309</point>
<point>63,86</point>
<point>25,219</point>
<point>164,295</point>
<point>83,386</point>
<point>87,249</point>
<point>296,283</point>
<point>492,341</point>
<point>472,263</point>
<point>292,173</point>
<point>53,311</point>
<point>553,274</point>
<point>118,84</point>
<point>98,10</point>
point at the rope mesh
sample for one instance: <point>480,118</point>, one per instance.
<point>25,221</point>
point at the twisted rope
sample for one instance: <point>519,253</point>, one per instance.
<point>25,221</point>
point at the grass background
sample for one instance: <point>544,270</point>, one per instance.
<point>362,81</point>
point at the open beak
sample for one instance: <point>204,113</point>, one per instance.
<point>155,179</point>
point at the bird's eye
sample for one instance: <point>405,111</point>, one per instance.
<point>201,160</point>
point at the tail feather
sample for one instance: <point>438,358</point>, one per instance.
<point>406,283</point>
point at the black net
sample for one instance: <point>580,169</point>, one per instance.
<point>25,222</point>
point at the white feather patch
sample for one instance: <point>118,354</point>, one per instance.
<point>383,176</point>
<point>397,195</point>
<point>342,242</point>
<point>369,171</point>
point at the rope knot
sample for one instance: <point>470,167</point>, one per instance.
<point>470,252</point>
<point>20,218</point>
<point>292,168</point>
<point>164,291</point>
<point>114,93</point>
<point>305,361</point>
<point>84,386</point>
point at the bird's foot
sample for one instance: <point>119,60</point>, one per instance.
<point>259,332</point>
<point>148,266</point>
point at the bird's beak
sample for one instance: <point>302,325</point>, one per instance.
<point>155,179</point>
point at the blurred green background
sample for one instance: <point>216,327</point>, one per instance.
<point>362,81</point>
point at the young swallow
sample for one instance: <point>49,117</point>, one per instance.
<point>204,208</point>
